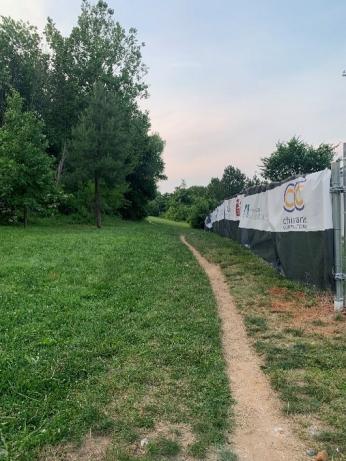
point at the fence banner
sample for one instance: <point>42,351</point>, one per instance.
<point>288,224</point>
<point>301,205</point>
<point>212,217</point>
<point>233,208</point>
<point>220,215</point>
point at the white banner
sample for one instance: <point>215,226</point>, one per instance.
<point>220,212</point>
<point>302,204</point>
<point>213,216</point>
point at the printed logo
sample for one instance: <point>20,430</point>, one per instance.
<point>237,207</point>
<point>247,210</point>
<point>253,212</point>
<point>293,199</point>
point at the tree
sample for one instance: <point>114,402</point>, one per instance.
<point>26,177</point>
<point>64,95</point>
<point>23,65</point>
<point>60,84</point>
<point>233,181</point>
<point>296,157</point>
<point>187,201</point>
<point>215,190</point>
<point>254,181</point>
<point>144,178</point>
<point>103,50</point>
<point>199,210</point>
<point>98,49</point>
<point>158,205</point>
<point>101,148</point>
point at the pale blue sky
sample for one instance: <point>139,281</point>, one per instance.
<point>229,78</point>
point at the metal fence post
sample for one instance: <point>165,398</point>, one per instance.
<point>336,190</point>
<point>344,227</point>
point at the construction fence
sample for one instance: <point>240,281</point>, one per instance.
<point>295,225</point>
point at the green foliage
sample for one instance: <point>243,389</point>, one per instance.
<point>254,181</point>
<point>215,190</point>
<point>65,96</point>
<point>100,150</point>
<point>103,50</point>
<point>179,202</point>
<point>26,178</point>
<point>186,204</point>
<point>296,157</point>
<point>97,49</point>
<point>79,203</point>
<point>193,204</point>
<point>233,181</point>
<point>23,65</point>
<point>158,205</point>
<point>143,179</point>
<point>59,84</point>
<point>199,210</point>
<point>163,447</point>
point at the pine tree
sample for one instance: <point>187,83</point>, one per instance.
<point>101,146</point>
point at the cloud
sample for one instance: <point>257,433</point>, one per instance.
<point>205,136</point>
<point>33,11</point>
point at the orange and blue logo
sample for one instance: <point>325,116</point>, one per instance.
<point>293,199</point>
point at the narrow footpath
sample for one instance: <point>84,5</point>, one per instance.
<point>262,433</point>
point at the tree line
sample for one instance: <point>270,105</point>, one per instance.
<point>193,204</point>
<point>72,135</point>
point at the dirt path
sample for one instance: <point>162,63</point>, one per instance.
<point>262,433</point>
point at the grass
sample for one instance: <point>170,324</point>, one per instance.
<point>115,332</point>
<point>303,344</point>
<point>112,332</point>
<point>179,224</point>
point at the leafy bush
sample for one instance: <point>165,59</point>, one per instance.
<point>198,212</point>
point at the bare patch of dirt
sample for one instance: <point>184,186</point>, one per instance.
<point>262,432</point>
<point>318,318</point>
<point>92,449</point>
<point>180,433</point>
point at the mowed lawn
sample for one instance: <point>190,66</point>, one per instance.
<point>110,332</point>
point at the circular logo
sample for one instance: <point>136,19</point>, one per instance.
<point>293,199</point>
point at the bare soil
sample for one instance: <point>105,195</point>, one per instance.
<point>92,449</point>
<point>318,318</point>
<point>262,432</point>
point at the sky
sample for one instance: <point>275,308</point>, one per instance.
<point>228,79</point>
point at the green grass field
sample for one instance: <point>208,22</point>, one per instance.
<point>112,331</point>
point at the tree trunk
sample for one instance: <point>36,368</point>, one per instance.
<point>97,201</point>
<point>61,163</point>
<point>26,212</point>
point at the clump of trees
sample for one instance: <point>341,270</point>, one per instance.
<point>296,157</point>
<point>78,102</point>
<point>192,204</point>
<point>26,175</point>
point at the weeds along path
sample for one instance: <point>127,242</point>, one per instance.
<point>262,433</point>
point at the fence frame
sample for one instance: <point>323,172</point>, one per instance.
<point>337,258</point>
<point>338,191</point>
